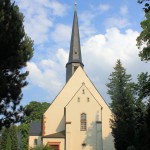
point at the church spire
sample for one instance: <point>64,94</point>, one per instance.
<point>75,5</point>
<point>75,58</point>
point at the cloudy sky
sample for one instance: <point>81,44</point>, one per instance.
<point>108,31</point>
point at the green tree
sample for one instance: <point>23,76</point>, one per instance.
<point>32,112</point>
<point>42,147</point>
<point>147,117</point>
<point>9,144</point>
<point>146,5</point>
<point>24,130</point>
<point>143,40</point>
<point>122,105</point>
<point>139,124</point>
<point>142,119</point>
<point>16,48</point>
<point>9,138</point>
<point>144,79</point>
<point>14,139</point>
<point>143,86</point>
<point>3,139</point>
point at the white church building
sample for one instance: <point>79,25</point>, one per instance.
<point>78,118</point>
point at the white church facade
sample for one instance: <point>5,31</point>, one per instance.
<point>78,118</point>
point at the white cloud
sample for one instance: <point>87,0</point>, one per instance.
<point>104,7</point>
<point>86,27</point>
<point>44,79</point>
<point>62,56</point>
<point>61,33</point>
<point>124,10</point>
<point>111,46</point>
<point>38,17</point>
<point>58,8</point>
<point>117,22</point>
<point>46,73</point>
<point>99,53</point>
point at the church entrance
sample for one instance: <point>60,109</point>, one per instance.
<point>55,147</point>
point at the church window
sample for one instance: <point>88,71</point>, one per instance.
<point>83,122</point>
<point>83,144</point>
<point>78,99</point>
<point>75,52</point>
<point>88,99</point>
<point>35,141</point>
<point>83,92</point>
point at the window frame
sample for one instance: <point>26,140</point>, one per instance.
<point>83,122</point>
<point>35,141</point>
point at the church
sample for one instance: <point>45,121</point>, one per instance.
<point>78,118</point>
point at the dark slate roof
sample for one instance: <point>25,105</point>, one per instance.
<point>56,135</point>
<point>75,49</point>
<point>35,129</point>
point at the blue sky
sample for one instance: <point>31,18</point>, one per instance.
<point>108,31</point>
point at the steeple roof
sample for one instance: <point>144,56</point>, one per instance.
<point>75,49</point>
<point>75,58</point>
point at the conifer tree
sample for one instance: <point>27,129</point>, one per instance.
<point>147,116</point>
<point>9,144</point>
<point>3,139</point>
<point>122,105</point>
<point>9,139</point>
<point>14,139</point>
<point>24,129</point>
<point>16,49</point>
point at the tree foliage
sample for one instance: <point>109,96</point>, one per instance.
<point>142,113</point>
<point>147,117</point>
<point>131,112</point>
<point>34,111</point>
<point>143,40</point>
<point>140,109</point>
<point>9,139</point>
<point>16,48</point>
<point>24,130</point>
<point>42,147</point>
<point>122,105</point>
<point>14,138</point>
<point>143,86</point>
<point>146,5</point>
<point>3,139</point>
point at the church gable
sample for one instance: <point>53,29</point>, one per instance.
<point>83,102</point>
<point>83,97</point>
<point>54,118</point>
<point>81,78</point>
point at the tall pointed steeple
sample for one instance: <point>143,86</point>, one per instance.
<point>75,58</point>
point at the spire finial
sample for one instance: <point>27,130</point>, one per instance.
<point>75,5</point>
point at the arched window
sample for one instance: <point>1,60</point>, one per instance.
<point>83,122</point>
<point>35,141</point>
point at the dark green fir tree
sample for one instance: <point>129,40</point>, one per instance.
<point>14,138</point>
<point>9,138</point>
<point>9,144</point>
<point>122,105</point>
<point>147,117</point>
<point>16,49</point>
